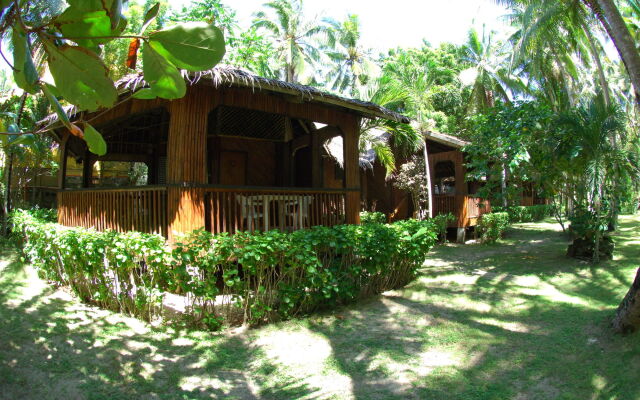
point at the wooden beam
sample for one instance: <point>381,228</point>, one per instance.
<point>316,162</point>
<point>62,160</point>
<point>351,136</point>
<point>187,159</point>
<point>327,133</point>
<point>125,157</point>
<point>87,169</point>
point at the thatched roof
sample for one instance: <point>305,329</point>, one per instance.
<point>367,156</point>
<point>225,75</point>
<point>445,139</point>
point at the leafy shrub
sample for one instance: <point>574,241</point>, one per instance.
<point>228,279</point>
<point>492,226</point>
<point>526,213</point>
<point>442,223</point>
<point>367,217</point>
<point>585,227</point>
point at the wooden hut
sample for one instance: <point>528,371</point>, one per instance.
<point>451,192</point>
<point>238,152</point>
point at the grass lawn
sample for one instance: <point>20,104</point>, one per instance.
<point>514,320</point>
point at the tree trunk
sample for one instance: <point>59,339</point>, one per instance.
<point>609,16</point>
<point>596,58</point>
<point>503,185</point>
<point>627,319</point>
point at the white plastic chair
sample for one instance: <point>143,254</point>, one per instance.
<point>300,211</point>
<point>250,210</point>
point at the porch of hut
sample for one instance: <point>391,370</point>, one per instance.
<point>232,155</point>
<point>451,192</point>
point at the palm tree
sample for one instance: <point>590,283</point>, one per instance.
<point>609,16</point>
<point>550,37</point>
<point>488,73</point>
<point>596,135</point>
<point>297,39</point>
<point>398,138</point>
<point>351,64</point>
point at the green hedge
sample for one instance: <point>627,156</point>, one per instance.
<point>367,217</point>
<point>492,226</point>
<point>526,213</point>
<point>228,279</point>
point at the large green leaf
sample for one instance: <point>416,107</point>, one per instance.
<point>94,140</point>
<point>90,5</point>
<point>113,8</point>
<point>76,24</point>
<point>81,77</point>
<point>24,72</point>
<point>194,46</point>
<point>49,92</point>
<point>115,13</point>
<point>145,94</point>
<point>149,16</point>
<point>27,140</point>
<point>163,77</point>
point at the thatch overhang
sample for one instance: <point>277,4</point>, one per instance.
<point>228,76</point>
<point>368,156</point>
<point>445,139</point>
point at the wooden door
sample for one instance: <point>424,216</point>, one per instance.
<point>233,168</point>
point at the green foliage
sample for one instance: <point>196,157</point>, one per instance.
<point>526,213</point>
<point>24,71</point>
<point>163,78</point>
<point>81,77</point>
<point>193,46</point>
<point>504,141</point>
<point>70,43</point>
<point>297,40</point>
<point>429,76</point>
<point>587,228</point>
<point>492,226</point>
<point>376,217</point>
<point>228,279</point>
<point>442,223</point>
<point>94,140</point>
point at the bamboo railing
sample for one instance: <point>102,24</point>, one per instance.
<point>142,209</point>
<point>226,209</point>
<point>463,207</point>
<point>239,209</point>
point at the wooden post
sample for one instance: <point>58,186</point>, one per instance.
<point>351,136</point>
<point>461,185</point>
<point>187,159</point>
<point>428,176</point>
<point>87,169</point>
<point>62,161</point>
<point>316,160</point>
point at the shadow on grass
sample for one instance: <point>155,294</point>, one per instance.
<point>426,341</point>
<point>548,348</point>
<point>53,349</point>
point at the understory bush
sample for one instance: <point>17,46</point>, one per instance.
<point>526,213</point>
<point>377,217</point>
<point>584,230</point>
<point>492,226</point>
<point>227,279</point>
<point>442,223</point>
